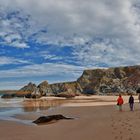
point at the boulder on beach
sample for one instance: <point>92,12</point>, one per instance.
<point>50,119</point>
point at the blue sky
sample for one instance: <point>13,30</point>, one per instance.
<point>57,40</point>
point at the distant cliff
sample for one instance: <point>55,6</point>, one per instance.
<point>95,81</point>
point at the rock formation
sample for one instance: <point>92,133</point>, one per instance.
<point>29,91</point>
<point>8,96</point>
<point>96,81</point>
<point>44,88</point>
<point>50,119</point>
<point>111,80</point>
<point>28,88</point>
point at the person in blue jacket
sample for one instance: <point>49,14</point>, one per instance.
<point>131,102</point>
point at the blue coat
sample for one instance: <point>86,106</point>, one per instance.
<point>131,100</point>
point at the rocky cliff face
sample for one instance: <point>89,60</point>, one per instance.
<point>70,88</point>
<point>112,80</point>
<point>96,81</point>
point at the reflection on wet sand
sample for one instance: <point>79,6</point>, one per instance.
<point>38,105</point>
<point>33,105</point>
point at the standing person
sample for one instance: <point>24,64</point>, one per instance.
<point>131,102</point>
<point>120,102</point>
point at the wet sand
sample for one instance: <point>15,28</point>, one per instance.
<point>92,122</point>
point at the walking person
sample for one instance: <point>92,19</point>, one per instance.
<point>120,102</point>
<point>131,102</point>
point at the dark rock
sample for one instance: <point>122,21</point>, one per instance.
<point>33,96</point>
<point>6,96</point>
<point>28,96</point>
<point>20,95</point>
<point>49,119</point>
<point>65,94</point>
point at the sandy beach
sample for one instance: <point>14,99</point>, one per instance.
<point>96,118</point>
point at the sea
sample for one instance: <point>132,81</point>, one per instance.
<point>9,108</point>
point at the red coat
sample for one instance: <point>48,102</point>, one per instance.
<point>120,100</point>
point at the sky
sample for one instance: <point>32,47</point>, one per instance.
<point>55,40</point>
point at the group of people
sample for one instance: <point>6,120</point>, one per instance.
<point>120,102</point>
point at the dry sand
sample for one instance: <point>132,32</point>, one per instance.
<point>91,122</point>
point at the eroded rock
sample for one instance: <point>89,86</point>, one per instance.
<point>50,119</point>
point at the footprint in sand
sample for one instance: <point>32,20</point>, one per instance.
<point>120,132</point>
<point>122,128</point>
<point>126,123</point>
<point>115,128</point>
<point>112,132</point>
<point>130,125</point>
<point>130,138</point>
<point>112,125</point>
<point>127,119</point>
<point>122,125</point>
<point>119,120</point>
<point>116,137</point>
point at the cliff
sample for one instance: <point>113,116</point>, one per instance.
<point>95,81</point>
<point>111,80</point>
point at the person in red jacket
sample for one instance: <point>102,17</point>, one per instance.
<point>120,102</point>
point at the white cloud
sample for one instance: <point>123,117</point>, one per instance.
<point>104,53</point>
<point>10,60</point>
<point>19,44</point>
<point>8,85</point>
<point>89,18</point>
<point>48,69</point>
<point>74,24</point>
<point>71,23</point>
<point>12,27</point>
<point>48,56</point>
<point>51,72</point>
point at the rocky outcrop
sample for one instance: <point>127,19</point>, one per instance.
<point>44,88</point>
<point>28,88</point>
<point>110,81</point>
<point>96,81</point>
<point>50,119</point>
<point>8,96</point>
<point>29,91</point>
<point>25,91</point>
<point>66,87</point>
